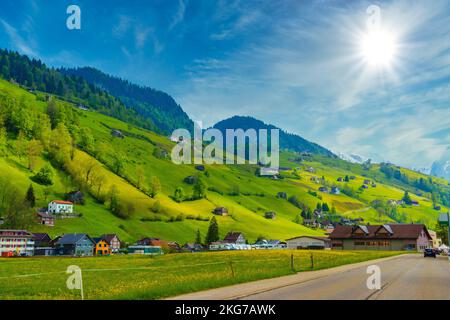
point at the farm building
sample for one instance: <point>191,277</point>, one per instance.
<point>145,250</point>
<point>221,211</point>
<point>75,244</point>
<point>192,247</point>
<point>270,215</point>
<point>59,206</point>
<point>282,195</point>
<point>335,190</point>
<point>381,237</point>
<point>308,242</point>
<point>46,219</point>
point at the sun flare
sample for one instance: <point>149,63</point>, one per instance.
<point>378,48</point>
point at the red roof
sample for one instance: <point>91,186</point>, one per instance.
<point>399,231</point>
<point>62,202</point>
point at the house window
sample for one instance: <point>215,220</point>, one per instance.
<point>360,243</point>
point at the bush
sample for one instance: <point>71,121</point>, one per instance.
<point>44,176</point>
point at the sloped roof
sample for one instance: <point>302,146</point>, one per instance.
<point>399,231</point>
<point>73,238</point>
<point>62,202</point>
<point>232,236</point>
<point>109,237</point>
<point>41,236</point>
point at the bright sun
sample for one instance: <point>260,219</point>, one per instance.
<point>378,48</point>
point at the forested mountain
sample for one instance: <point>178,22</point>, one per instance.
<point>150,103</point>
<point>288,141</point>
<point>35,75</point>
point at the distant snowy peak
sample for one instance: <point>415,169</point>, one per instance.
<point>352,157</point>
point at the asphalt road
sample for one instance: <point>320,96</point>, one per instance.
<point>406,277</point>
<point>410,277</point>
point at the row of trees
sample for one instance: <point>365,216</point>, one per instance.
<point>34,74</point>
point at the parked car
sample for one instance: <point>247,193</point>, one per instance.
<point>429,253</point>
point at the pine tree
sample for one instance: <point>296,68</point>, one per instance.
<point>406,198</point>
<point>213,231</point>
<point>325,207</point>
<point>30,198</point>
<point>198,239</point>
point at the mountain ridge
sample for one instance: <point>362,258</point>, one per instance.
<point>288,141</point>
<point>157,105</point>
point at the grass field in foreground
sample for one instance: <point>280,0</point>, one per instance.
<point>143,277</point>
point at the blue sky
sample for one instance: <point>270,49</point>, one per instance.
<point>295,64</point>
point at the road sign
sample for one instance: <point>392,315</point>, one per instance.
<point>443,219</point>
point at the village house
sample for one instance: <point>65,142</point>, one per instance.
<point>366,181</point>
<point>200,167</point>
<point>310,169</point>
<point>192,247</point>
<point>415,203</point>
<point>113,241</point>
<point>270,244</point>
<point>308,242</point>
<point>352,177</point>
<point>314,179</point>
<point>311,223</point>
<point>16,243</point>
<point>75,244</point>
<point>235,238</point>
<point>364,186</point>
<point>270,215</point>
<point>190,179</point>
<point>381,237</point>
<point>46,219</point>
<point>41,239</point>
<point>117,133</point>
<point>101,247</point>
<point>221,211</point>
<point>149,242</point>
<point>220,246</point>
<point>42,245</point>
<point>340,179</point>
<point>59,207</point>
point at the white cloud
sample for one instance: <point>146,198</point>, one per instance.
<point>179,15</point>
<point>306,77</point>
<point>17,40</point>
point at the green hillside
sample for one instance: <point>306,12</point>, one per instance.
<point>82,152</point>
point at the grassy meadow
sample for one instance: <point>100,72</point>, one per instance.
<point>143,277</point>
<point>256,195</point>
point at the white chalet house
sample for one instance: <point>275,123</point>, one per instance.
<point>59,206</point>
